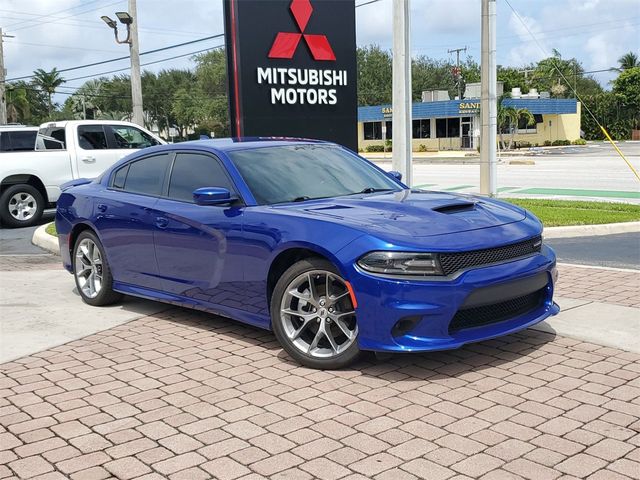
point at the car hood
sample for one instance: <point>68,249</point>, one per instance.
<point>412,214</point>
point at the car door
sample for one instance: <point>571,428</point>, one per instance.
<point>197,246</point>
<point>126,219</point>
<point>125,139</point>
<point>93,155</point>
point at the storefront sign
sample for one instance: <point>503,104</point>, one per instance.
<point>292,68</point>
<point>469,107</point>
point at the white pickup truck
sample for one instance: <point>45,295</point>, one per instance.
<point>30,180</point>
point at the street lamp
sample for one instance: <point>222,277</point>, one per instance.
<point>130,20</point>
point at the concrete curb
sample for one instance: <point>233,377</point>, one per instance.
<point>45,241</point>
<point>592,230</point>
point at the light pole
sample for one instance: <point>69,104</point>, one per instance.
<point>131,21</point>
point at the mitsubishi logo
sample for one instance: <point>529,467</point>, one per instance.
<point>286,43</point>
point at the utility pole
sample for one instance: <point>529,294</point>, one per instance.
<point>130,19</point>
<point>488,100</point>
<point>458,71</point>
<point>402,93</point>
<point>3,76</point>
<point>526,75</point>
<point>136,80</point>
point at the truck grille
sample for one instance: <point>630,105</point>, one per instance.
<point>496,312</point>
<point>454,262</point>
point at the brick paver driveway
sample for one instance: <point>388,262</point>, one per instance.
<point>185,395</point>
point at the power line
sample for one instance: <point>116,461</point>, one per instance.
<point>35,22</point>
<point>367,3</point>
<point>123,58</point>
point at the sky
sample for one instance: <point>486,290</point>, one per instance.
<point>68,33</point>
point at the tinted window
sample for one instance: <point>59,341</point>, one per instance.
<point>147,175</point>
<point>131,137</point>
<point>192,171</point>
<point>92,137</point>
<point>119,177</point>
<point>300,172</point>
<point>56,133</point>
<point>19,141</point>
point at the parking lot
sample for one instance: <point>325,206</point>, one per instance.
<point>179,394</point>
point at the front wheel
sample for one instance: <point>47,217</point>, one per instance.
<point>313,316</point>
<point>21,206</point>
<point>92,272</point>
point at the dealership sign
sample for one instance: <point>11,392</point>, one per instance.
<point>292,68</point>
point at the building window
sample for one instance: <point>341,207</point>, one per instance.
<point>441,128</point>
<point>389,130</point>
<point>524,127</point>
<point>422,128</point>
<point>448,127</point>
<point>373,131</point>
<point>453,127</point>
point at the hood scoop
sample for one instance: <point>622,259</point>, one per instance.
<point>457,207</point>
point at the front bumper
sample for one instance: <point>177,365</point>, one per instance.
<point>426,308</point>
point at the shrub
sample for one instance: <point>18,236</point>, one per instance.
<point>547,143</point>
<point>522,144</point>
<point>422,147</point>
<point>374,148</point>
<point>560,143</point>
<point>580,141</point>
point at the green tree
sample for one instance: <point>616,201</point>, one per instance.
<point>627,61</point>
<point>375,76</point>
<point>48,82</point>
<point>508,119</point>
<point>18,107</point>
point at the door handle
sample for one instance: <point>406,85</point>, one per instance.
<point>89,159</point>
<point>162,222</point>
<point>102,207</point>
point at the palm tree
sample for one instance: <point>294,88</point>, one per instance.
<point>48,82</point>
<point>508,119</point>
<point>627,61</point>
<point>18,108</point>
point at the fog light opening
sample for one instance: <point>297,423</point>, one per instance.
<point>404,326</point>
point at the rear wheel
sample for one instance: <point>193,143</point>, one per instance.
<point>313,316</point>
<point>92,272</point>
<point>21,206</point>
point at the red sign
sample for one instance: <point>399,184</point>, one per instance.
<point>286,43</point>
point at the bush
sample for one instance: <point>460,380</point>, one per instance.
<point>374,148</point>
<point>580,141</point>
<point>547,143</point>
<point>560,143</point>
<point>422,147</point>
<point>522,144</point>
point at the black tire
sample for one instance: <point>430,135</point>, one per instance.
<point>33,199</point>
<point>106,295</point>
<point>339,360</point>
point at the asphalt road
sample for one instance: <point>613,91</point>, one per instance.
<point>616,251</point>
<point>17,241</point>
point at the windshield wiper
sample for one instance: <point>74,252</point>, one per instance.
<point>301,199</point>
<point>374,190</point>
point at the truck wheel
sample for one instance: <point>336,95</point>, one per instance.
<point>21,206</point>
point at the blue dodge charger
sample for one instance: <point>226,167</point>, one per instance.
<point>307,239</point>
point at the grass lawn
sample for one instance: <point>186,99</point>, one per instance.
<point>51,229</point>
<point>554,213</point>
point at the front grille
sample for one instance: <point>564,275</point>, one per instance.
<point>496,312</point>
<point>453,262</point>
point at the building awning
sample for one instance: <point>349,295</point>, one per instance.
<point>469,107</point>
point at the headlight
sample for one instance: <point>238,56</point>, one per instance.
<point>401,263</point>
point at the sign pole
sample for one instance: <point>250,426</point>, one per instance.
<point>402,93</point>
<point>488,100</point>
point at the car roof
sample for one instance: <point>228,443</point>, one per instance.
<point>64,123</point>
<point>244,143</point>
<point>17,128</point>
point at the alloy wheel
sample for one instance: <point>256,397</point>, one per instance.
<point>317,314</point>
<point>22,206</point>
<point>89,268</point>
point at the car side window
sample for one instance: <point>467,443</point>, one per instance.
<point>92,137</point>
<point>127,137</point>
<point>194,170</point>
<point>119,177</point>
<point>145,176</point>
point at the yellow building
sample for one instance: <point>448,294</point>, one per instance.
<point>455,124</point>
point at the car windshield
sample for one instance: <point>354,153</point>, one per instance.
<point>304,172</point>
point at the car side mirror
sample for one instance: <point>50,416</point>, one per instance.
<point>395,174</point>
<point>212,196</point>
